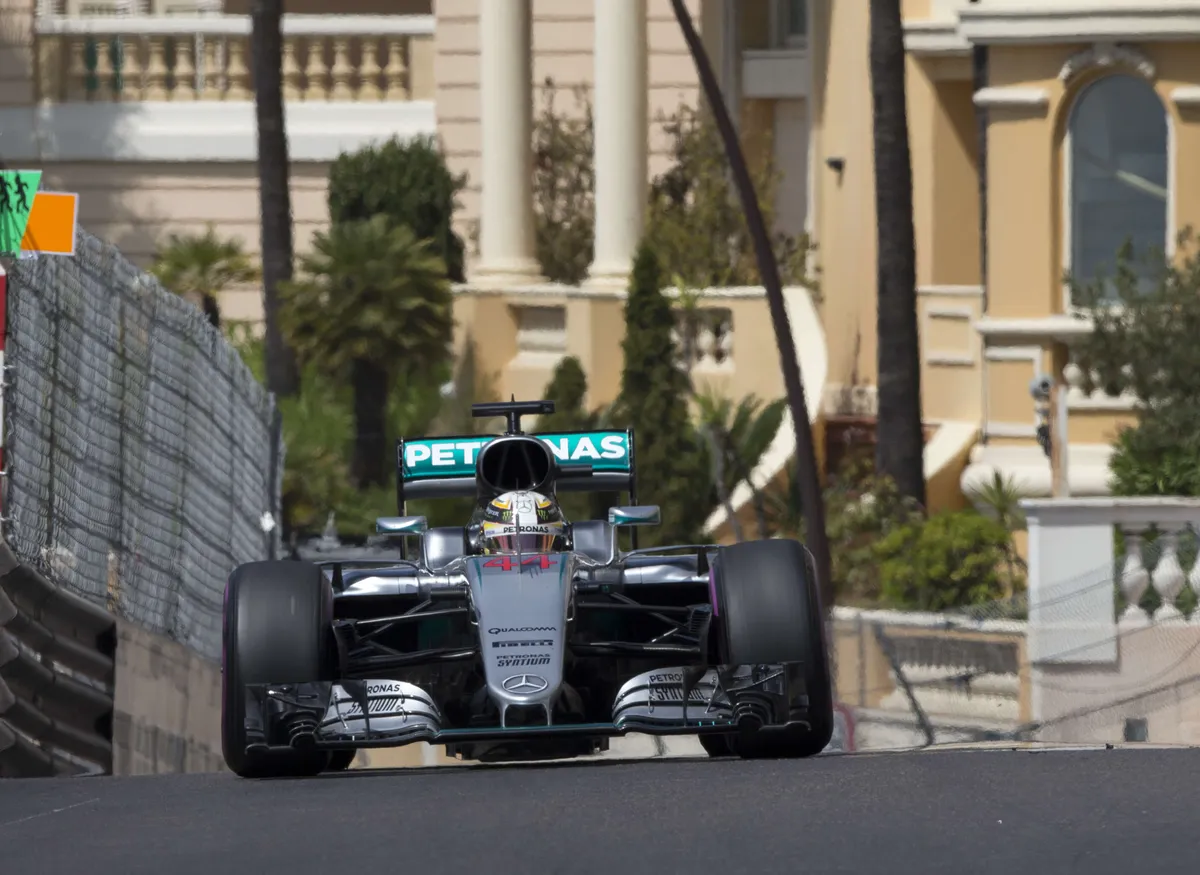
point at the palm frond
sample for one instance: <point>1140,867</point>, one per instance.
<point>370,290</point>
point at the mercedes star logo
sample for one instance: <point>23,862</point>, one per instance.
<point>524,683</point>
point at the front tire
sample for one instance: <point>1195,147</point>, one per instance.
<point>769,612</point>
<point>277,629</point>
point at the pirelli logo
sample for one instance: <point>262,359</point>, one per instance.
<point>522,644</point>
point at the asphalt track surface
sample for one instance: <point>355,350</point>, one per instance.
<point>1029,813</point>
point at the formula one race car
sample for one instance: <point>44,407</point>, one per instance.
<point>520,635</point>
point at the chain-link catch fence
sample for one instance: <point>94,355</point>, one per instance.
<point>143,459</point>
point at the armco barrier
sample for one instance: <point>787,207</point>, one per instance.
<point>83,692</point>
<point>57,675</point>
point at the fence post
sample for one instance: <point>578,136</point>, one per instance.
<point>274,496</point>
<point>3,380</point>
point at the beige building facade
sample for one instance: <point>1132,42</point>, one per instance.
<point>1042,135</point>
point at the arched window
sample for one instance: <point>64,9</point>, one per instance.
<point>1118,174</point>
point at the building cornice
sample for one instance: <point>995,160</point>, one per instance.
<point>1055,21</point>
<point>1026,22</point>
<point>1039,331</point>
<point>201,130</point>
<point>938,38</point>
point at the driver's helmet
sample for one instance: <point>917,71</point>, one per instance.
<point>522,522</point>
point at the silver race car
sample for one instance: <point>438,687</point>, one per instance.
<point>520,634</point>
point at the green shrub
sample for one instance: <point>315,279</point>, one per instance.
<point>1150,460</point>
<point>951,560</point>
<point>861,509</point>
<point>673,468</point>
<point>567,389</point>
<point>373,306</point>
<point>469,386</point>
<point>694,220</point>
<point>564,202</point>
<point>318,432</point>
<point>1147,348</point>
<point>696,223</point>
<point>409,182</point>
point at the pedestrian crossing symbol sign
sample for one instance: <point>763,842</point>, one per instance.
<point>17,190</point>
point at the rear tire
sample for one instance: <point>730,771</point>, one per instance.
<point>768,612</point>
<point>277,629</point>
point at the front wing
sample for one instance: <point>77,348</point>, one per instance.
<point>389,713</point>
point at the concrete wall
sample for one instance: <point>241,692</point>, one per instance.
<point>167,715</point>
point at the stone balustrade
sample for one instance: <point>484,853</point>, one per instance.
<point>1092,564</point>
<point>1114,637</point>
<point>970,677</point>
<point>207,58</point>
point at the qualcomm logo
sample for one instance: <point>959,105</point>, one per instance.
<point>496,630</point>
<point>523,684</point>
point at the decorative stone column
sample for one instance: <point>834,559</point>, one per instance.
<point>507,251</point>
<point>622,129</point>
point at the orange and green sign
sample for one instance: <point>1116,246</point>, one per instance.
<point>17,191</point>
<point>33,221</point>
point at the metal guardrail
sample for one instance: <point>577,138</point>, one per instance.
<point>56,678</point>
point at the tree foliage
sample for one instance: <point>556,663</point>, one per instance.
<point>739,434</point>
<point>199,267</point>
<point>950,560</point>
<point>568,388</point>
<point>1147,318</point>
<point>564,202</point>
<point>370,289</point>
<point>373,304</point>
<point>672,463</point>
<point>695,223</point>
<point>693,218</point>
<point>861,509</point>
<point>407,181</point>
<point>468,386</point>
<point>318,434</point>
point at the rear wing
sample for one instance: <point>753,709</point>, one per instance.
<point>444,467</point>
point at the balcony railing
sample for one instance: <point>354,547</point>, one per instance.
<point>151,58</point>
<point>1099,567</point>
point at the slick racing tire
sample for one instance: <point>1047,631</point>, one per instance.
<point>768,611</point>
<point>277,629</point>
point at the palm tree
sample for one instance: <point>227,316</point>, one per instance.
<point>266,50</point>
<point>902,455</point>
<point>807,474</point>
<point>199,266</point>
<point>373,302</point>
<point>742,432</point>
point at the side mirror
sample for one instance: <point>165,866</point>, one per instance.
<point>640,515</point>
<point>401,525</point>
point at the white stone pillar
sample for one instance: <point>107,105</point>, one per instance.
<point>507,251</point>
<point>622,128</point>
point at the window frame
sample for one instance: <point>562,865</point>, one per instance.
<point>1067,241</point>
<point>781,35</point>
